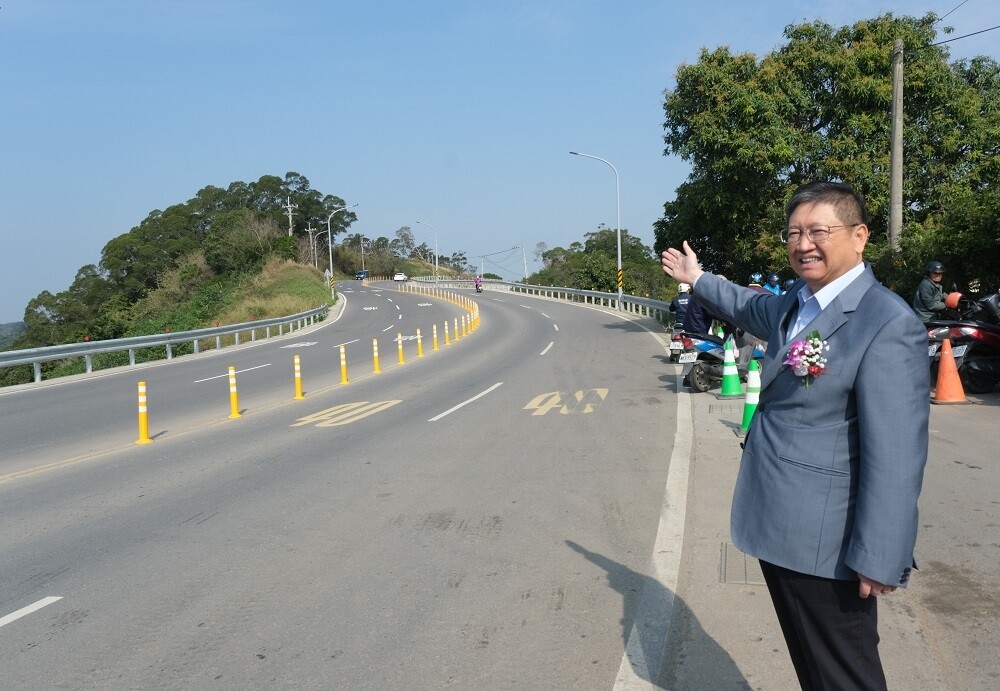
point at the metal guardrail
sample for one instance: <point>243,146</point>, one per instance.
<point>646,307</point>
<point>36,356</point>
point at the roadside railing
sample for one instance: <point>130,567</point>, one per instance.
<point>87,350</point>
<point>644,307</point>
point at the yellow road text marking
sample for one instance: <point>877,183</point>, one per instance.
<point>577,403</point>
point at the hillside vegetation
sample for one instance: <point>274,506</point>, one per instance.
<point>283,287</point>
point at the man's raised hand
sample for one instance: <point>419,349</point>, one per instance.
<point>681,265</point>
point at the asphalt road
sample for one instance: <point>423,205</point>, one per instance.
<point>480,517</point>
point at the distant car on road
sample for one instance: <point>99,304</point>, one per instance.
<point>399,276</point>
<point>360,275</point>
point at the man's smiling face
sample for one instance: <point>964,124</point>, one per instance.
<point>820,263</point>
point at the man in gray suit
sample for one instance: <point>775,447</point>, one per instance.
<point>832,466</point>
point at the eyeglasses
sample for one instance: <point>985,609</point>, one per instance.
<point>817,234</point>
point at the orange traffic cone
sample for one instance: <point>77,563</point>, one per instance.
<point>948,389</point>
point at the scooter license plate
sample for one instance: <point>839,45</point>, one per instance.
<point>932,349</point>
<point>959,351</point>
<point>676,345</point>
<point>688,357</point>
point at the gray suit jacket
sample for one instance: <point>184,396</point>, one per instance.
<point>830,474</point>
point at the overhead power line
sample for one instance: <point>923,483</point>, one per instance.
<point>974,33</point>
<point>952,10</point>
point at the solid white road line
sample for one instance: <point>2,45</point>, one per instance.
<point>464,403</point>
<point>223,376</point>
<point>551,343</point>
<point>25,611</point>
<point>648,639</point>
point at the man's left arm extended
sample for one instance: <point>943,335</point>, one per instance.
<point>892,389</point>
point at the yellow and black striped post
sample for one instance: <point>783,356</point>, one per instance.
<point>143,416</point>
<point>298,380</point>
<point>234,399</point>
<point>377,370</point>
<point>343,365</point>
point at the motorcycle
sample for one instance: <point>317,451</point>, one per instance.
<point>676,343</point>
<point>705,354</point>
<point>975,340</point>
<point>479,287</point>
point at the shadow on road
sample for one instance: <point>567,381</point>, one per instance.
<point>661,654</point>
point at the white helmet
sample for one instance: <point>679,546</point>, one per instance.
<point>683,288</point>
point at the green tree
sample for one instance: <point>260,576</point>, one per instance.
<point>176,251</point>
<point>819,108</point>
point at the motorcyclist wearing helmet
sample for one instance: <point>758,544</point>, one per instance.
<point>788,285</point>
<point>680,304</point>
<point>772,284</point>
<point>929,298</point>
<point>756,278</point>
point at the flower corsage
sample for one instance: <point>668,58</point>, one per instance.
<point>806,357</point>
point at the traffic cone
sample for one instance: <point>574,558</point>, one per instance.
<point>948,390</point>
<point>731,387</point>
<point>752,399</point>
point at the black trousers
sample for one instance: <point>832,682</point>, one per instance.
<point>831,633</point>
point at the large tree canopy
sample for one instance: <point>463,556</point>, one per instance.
<point>819,107</point>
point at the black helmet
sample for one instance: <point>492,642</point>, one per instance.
<point>773,278</point>
<point>789,283</point>
<point>755,277</point>
<point>934,267</point>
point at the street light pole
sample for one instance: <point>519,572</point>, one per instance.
<point>329,244</point>
<point>618,226</point>
<point>435,247</point>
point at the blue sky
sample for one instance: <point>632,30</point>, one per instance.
<point>457,113</point>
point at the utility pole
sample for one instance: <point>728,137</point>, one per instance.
<point>289,206</point>
<point>524,261</point>
<point>896,158</point>
<point>312,245</point>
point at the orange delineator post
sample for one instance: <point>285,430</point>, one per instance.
<point>143,416</point>
<point>234,399</point>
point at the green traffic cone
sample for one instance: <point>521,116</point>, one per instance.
<point>731,387</point>
<point>752,399</point>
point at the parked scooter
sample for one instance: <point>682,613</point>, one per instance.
<point>704,356</point>
<point>676,343</point>
<point>975,340</point>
